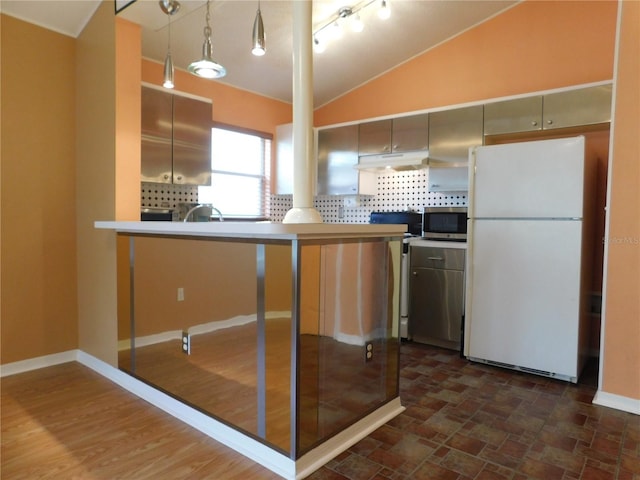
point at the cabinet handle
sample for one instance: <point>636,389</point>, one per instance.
<point>386,148</point>
<point>166,177</point>
<point>549,122</point>
<point>395,147</point>
<point>436,259</point>
<point>534,123</point>
<point>415,274</point>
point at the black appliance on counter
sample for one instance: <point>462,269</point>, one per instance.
<point>154,214</point>
<point>413,220</point>
<point>445,223</point>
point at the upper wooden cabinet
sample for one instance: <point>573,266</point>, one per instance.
<point>401,134</point>
<point>585,106</point>
<point>176,139</point>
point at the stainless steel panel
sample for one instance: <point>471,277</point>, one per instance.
<point>520,115</point>
<point>586,106</point>
<point>374,137</point>
<point>156,123</point>
<point>452,132</point>
<point>157,113</point>
<point>176,139</point>
<point>192,121</point>
<point>436,304</point>
<point>436,295</point>
<point>437,257</point>
<point>156,159</point>
<point>191,164</point>
<point>410,133</point>
<point>337,154</point>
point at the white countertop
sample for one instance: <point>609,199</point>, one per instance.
<point>421,242</point>
<point>267,230</point>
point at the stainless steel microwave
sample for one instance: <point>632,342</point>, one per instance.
<point>445,223</point>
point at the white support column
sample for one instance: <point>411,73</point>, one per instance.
<point>303,152</point>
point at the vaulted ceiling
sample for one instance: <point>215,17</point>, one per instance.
<point>348,62</point>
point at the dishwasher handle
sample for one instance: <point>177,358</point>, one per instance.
<point>437,259</point>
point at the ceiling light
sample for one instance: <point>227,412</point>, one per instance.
<point>170,7</point>
<point>384,11</point>
<point>207,67</point>
<point>259,45</point>
<point>318,45</point>
<point>356,23</point>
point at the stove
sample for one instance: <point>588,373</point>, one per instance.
<point>413,220</point>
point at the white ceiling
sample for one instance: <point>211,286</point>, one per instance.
<point>414,27</point>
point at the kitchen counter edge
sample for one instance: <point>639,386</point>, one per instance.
<point>266,230</point>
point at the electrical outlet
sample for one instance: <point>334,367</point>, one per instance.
<point>180,294</point>
<point>186,343</point>
<point>368,351</point>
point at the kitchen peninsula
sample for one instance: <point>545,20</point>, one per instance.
<point>284,335</point>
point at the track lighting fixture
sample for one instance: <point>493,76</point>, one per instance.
<point>207,67</point>
<point>332,28</point>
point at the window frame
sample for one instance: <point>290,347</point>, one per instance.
<point>265,178</point>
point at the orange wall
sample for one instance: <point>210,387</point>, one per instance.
<point>128,121</point>
<point>621,336</point>
<point>96,183</point>
<point>536,45</point>
<point>39,312</point>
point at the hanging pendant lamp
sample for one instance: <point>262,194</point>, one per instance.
<point>259,44</point>
<point>207,67</point>
<point>170,7</point>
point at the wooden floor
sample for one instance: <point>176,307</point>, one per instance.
<point>67,422</point>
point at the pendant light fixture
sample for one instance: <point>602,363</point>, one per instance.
<point>207,67</point>
<point>170,7</point>
<point>385,12</point>
<point>259,45</point>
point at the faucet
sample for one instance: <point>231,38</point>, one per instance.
<point>197,207</point>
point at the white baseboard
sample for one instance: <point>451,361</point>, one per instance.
<point>247,446</point>
<point>611,400</point>
<point>330,449</point>
<point>198,329</point>
<point>38,362</point>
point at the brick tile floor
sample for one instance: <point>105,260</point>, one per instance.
<point>468,421</point>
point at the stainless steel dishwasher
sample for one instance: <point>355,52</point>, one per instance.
<point>436,307</point>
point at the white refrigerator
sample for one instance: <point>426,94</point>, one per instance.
<point>526,292</point>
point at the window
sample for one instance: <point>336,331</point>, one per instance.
<point>240,164</point>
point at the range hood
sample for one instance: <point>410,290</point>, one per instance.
<point>393,161</point>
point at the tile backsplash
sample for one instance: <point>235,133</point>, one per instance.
<point>396,191</point>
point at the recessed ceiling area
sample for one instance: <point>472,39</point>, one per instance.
<point>414,27</point>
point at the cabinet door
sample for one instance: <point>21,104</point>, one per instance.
<point>191,141</point>
<point>374,137</point>
<point>453,132</point>
<point>156,153</point>
<point>436,306</point>
<point>337,155</point>
<point>520,115</point>
<point>410,133</point>
<point>586,106</point>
